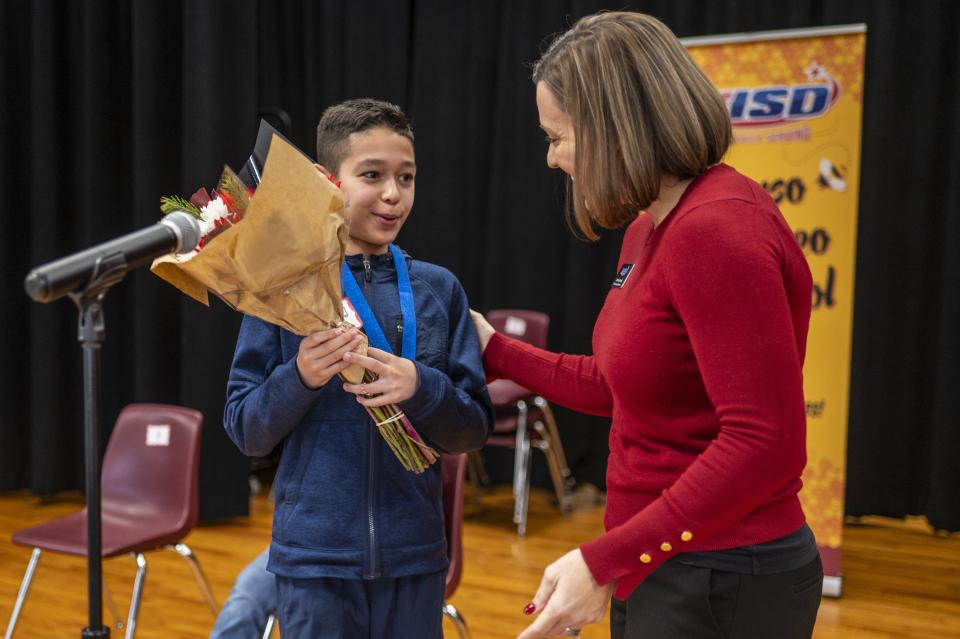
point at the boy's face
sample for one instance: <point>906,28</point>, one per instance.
<point>377,178</point>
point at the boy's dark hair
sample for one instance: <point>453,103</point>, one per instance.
<point>353,116</point>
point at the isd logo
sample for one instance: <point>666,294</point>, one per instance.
<point>783,103</point>
<point>622,276</point>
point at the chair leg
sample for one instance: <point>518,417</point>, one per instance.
<point>112,605</point>
<point>521,471</point>
<point>521,437</point>
<point>556,446</point>
<point>556,473</point>
<point>476,473</point>
<point>22,594</point>
<point>184,551</point>
<point>551,421</point>
<point>451,611</point>
<point>268,629</point>
<point>137,594</point>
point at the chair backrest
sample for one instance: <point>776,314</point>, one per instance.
<point>454,468</point>
<point>530,326</point>
<point>151,464</point>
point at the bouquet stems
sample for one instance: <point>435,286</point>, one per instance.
<point>400,435</point>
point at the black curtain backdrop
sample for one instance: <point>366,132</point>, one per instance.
<point>106,105</point>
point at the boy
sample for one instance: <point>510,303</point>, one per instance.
<point>358,544</point>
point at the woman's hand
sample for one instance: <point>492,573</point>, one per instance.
<point>397,378</point>
<point>484,330</point>
<point>320,355</point>
<point>568,597</point>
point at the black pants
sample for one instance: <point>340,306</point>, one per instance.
<point>688,602</point>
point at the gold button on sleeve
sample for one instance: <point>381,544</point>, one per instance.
<point>666,547</point>
<point>645,558</point>
<point>686,535</point>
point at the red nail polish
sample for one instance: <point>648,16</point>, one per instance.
<point>530,608</point>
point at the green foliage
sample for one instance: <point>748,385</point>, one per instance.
<point>171,203</point>
<point>235,190</point>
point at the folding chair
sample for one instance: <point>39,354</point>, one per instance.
<point>148,501</point>
<point>516,409</point>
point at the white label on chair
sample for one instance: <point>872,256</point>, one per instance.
<point>158,434</point>
<point>515,326</point>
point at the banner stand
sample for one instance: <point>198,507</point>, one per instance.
<point>796,100</point>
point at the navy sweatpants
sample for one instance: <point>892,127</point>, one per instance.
<point>328,608</point>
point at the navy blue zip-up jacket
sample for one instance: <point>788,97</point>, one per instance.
<point>345,507</point>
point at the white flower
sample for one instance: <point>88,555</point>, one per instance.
<point>209,214</point>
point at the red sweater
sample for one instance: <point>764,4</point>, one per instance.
<point>697,358</point>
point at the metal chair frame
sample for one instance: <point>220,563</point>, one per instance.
<point>549,444</point>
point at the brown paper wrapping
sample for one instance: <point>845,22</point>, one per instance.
<point>281,262</point>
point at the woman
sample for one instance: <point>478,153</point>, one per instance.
<point>697,354</point>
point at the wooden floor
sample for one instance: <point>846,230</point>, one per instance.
<point>899,579</point>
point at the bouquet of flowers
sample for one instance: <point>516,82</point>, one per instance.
<point>275,256</point>
<point>215,214</point>
<point>275,253</point>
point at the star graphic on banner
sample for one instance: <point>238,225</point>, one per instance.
<point>815,71</point>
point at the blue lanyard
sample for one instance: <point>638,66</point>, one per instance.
<point>370,325</point>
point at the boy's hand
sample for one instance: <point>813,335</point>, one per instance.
<point>484,330</point>
<point>321,355</point>
<point>397,378</point>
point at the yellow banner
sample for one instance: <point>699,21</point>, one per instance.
<point>795,100</point>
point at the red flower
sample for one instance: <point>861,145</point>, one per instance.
<point>231,205</point>
<point>201,198</point>
<point>333,179</point>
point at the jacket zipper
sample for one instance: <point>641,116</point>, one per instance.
<point>372,569</point>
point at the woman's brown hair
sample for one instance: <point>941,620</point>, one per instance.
<point>641,109</point>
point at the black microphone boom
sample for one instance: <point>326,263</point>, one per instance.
<point>177,232</point>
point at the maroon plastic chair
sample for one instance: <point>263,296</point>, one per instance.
<point>148,501</point>
<point>454,469</point>
<point>516,409</point>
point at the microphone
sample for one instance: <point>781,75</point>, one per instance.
<point>177,232</point>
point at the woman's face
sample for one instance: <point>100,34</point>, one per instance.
<point>559,129</point>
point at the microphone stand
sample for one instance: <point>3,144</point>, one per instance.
<point>108,270</point>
